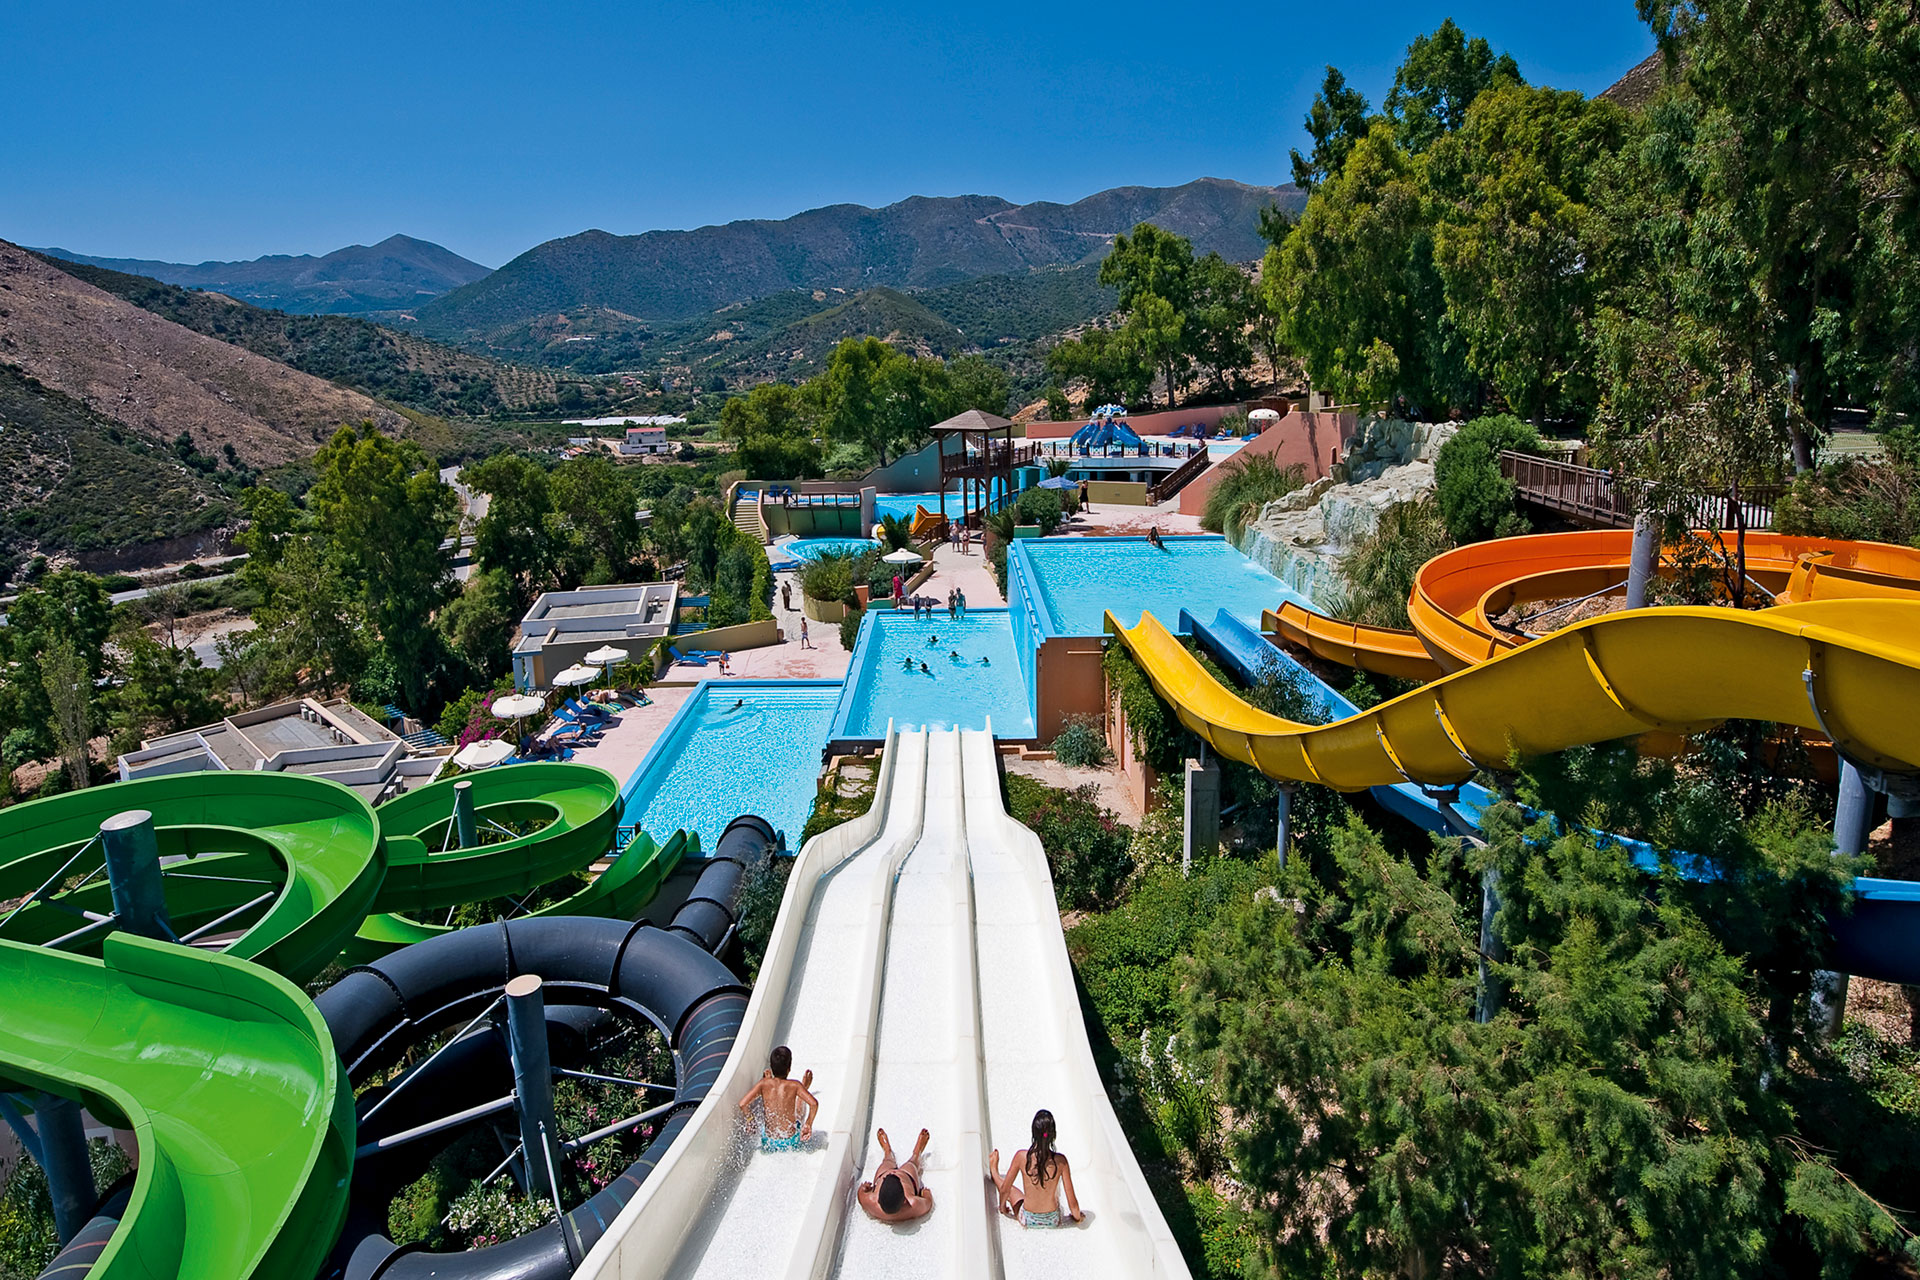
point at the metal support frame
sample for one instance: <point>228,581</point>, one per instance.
<point>463,818</point>
<point>132,852</point>
<point>1646,558</point>
<point>1852,820</point>
<point>1282,831</point>
<point>63,1155</point>
<point>532,1081</point>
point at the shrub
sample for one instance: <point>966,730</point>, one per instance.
<point>1082,744</point>
<point>896,532</point>
<point>1243,486</point>
<point>1476,501</point>
<point>1086,843</point>
<point>1858,500</point>
<point>1379,573</point>
<point>829,578</point>
<point>1039,506</point>
<point>850,628</point>
<point>1234,421</point>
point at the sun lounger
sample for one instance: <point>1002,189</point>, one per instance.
<point>690,659</point>
<point>594,709</point>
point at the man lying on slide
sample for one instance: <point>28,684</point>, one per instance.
<point>897,1193</point>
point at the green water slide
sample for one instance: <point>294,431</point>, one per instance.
<point>292,862</point>
<point>537,822</point>
<point>619,892</point>
<point>226,1075</point>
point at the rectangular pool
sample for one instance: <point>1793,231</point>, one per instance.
<point>718,760</point>
<point>1068,584</point>
<point>954,692</point>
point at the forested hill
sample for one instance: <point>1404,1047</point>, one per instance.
<point>400,367</point>
<point>922,242</point>
<point>397,273</point>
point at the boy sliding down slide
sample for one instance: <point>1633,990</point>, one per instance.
<point>897,1192</point>
<point>782,1126</point>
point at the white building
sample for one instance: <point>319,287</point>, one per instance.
<point>645,440</point>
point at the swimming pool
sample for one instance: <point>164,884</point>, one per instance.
<point>953,693</point>
<point>813,548</point>
<point>716,762</point>
<point>1068,584</point>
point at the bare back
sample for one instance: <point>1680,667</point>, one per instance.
<point>786,1104</point>
<point>1041,1188</point>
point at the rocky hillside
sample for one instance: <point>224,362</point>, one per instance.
<point>158,379</point>
<point>918,243</point>
<point>398,273</point>
<point>404,368</point>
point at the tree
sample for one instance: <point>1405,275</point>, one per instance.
<point>478,624</point>
<point>309,635</point>
<point>516,535</point>
<point>68,610</point>
<point>1355,286</point>
<point>163,689</point>
<point>773,428</point>
<point>1438,81</point>
<point>852,391</point>
<point>979,384</point>
<point>385,513</point>
<point>1106,366</point>
<point>1218,322</point>
<point>68,683</point>
<point>1155,337</point>
<point>1153,271</point>
<point>1335,122</point>
<point>1516,245</point>
<point>598,506</point>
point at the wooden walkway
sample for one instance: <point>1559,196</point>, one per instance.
<point>1592,497</point>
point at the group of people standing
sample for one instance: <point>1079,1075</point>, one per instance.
<point>1037,1182</point>
<point>923,606</point>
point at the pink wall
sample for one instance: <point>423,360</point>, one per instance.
<point>1307,440</point>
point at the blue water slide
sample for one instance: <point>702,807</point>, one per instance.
<point>1879,938</point>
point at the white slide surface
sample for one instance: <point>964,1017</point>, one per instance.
<point>918,968</point>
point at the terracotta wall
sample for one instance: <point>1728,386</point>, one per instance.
<point>1068,681</point>
<point>1141,777</point>
<point>1309,440</point>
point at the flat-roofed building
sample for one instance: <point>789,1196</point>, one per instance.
<point>332,739</point>
<point>563,627</point>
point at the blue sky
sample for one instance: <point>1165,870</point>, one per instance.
<point>187,131</point>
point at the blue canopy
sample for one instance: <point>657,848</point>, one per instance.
<point>1059,482</point>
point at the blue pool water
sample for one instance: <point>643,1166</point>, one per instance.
<point>814,548</point>
<point>952,694</point>
<point>715,763</point>
<point>1072,582</point>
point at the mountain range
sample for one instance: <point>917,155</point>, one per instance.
<point>924,242</point>
<point>398,273</point>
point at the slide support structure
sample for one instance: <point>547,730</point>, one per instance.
<point>1852,819</point>
<point>63,1156</point>
<point>532,1082</point>
<point>1284,805</point>
<point>133,874</point>
<point>1203,813</point>
<point>1643,561</point>
<point>464,826</point>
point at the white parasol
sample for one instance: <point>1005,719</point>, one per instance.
<point>605,657</point>
<point>575,675</point>
<point>484,754</point>
<point>905,555</point>
<point>518,706</point>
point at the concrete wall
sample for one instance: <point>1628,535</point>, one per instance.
<point>1116,493</point>
<point>1068,681</point>
<point>812,522</point>
<point>1310,440</point>
<point>917,472</point>
<point>1140,777</point>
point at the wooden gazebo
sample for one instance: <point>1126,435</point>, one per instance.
<point>985,453</point>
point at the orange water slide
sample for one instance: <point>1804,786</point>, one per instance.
<point>1459,593</point>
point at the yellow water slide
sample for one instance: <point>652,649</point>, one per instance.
<point>1846,668</point>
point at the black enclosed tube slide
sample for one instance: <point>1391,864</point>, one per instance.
<point>592,971</point>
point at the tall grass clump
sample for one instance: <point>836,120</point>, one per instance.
<point>1379,573</point>
<point>1245,485</point>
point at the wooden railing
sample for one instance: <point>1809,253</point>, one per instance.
<point>995,461</point>
<point>1177,479</point>
<point>1594,497</point>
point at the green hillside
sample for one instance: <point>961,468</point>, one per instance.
<point>918,243</point>
<point>71,480</point>
<point>991,310</point>
<point>389,364</point>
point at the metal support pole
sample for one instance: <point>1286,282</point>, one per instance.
<point>133,874</point>
<point>63,1152</point>
<point>1491,951</point>
<point>532,1080</point>
<point>1646,556</point>
<point>1282,834</point>
<point>463,821</point>
<point>1852,819</point>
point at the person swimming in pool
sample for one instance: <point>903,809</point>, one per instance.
<point>932,641</point>
<point>925,670</point>
<point>906,663</point>
<point>897,1192</point>
<point>984,661</point>
<point>782,1125</point>
<point>1046,1175</point>
<point>953,655</point>
<point>737,704</point>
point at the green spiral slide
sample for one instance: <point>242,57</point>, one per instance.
<point>223,1069</point>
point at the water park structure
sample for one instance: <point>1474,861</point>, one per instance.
<point>158,933</point>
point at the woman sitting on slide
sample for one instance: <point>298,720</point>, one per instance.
<point>1046,1175</point>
